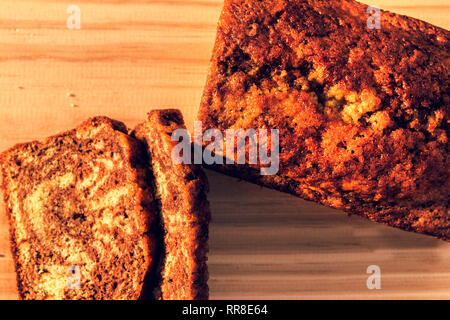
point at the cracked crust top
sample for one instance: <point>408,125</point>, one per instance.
<point>362,113</point>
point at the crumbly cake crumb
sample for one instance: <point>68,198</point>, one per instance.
<point>185,214</point>
<point>79,206</point>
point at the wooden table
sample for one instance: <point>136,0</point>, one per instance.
<point>131,56</point>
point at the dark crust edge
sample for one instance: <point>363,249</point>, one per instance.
<point>12,241</point>
<point>199,204</point>
<point>134,149</point>
<point>138,164</point>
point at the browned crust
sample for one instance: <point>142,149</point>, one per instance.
<point>139,168</point>
<point>186,200</point>
<point>12,242</point>
<point>284,64</point>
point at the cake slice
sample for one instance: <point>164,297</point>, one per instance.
<point>80,212</point>
<point>362,112</point>
<point>184,210</point>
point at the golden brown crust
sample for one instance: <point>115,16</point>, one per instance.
<point>185,211</point>
<point>362,113</point>
<point>28,167</point>
<point>11,230</point>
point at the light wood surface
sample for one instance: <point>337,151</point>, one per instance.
<point>132,56</point>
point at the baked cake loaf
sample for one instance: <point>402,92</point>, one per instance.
<point>362,113</point>
<point>80,213</point>
<point>181,191</point>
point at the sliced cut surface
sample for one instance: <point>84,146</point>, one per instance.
<point>181,190</point>
<point>80,212</point>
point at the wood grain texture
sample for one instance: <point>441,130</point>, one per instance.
<point>275,246</point>
<point>133,56</point>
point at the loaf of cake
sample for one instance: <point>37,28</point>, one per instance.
<point>361,108</point>
<point>80,212</point>
<point>181,190</point>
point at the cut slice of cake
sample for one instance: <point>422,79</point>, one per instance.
<point>80,212</point>
<point>181,191</point>
<point>362,112</point>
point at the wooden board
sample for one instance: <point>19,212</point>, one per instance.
<point>131,56</point>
